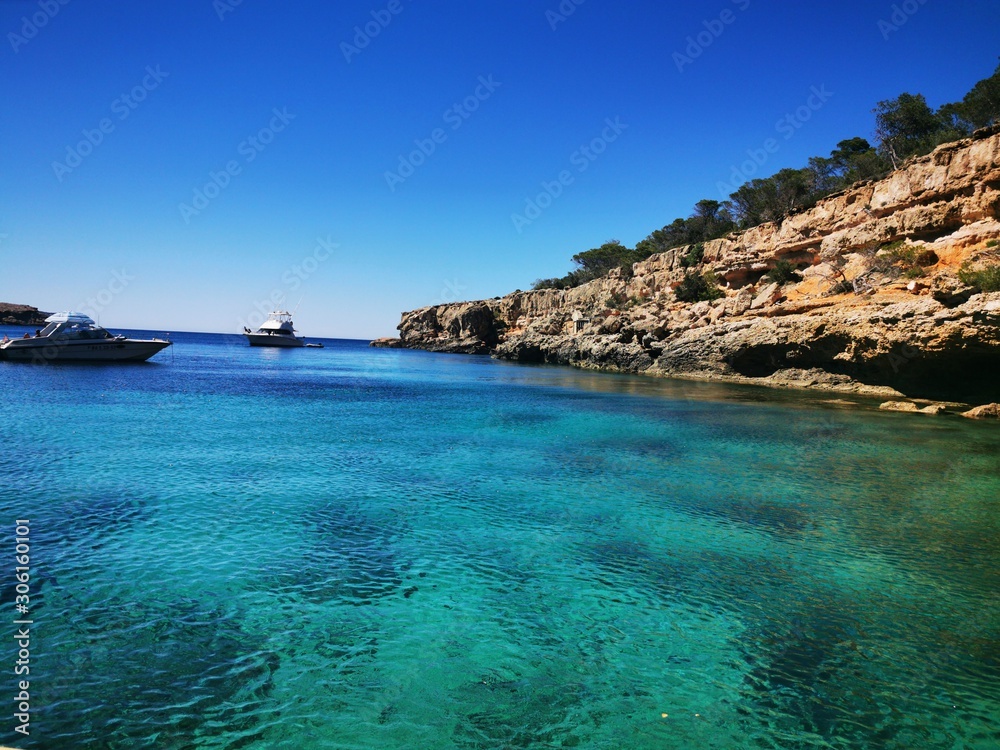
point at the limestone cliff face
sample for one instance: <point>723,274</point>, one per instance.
<point>879,308</point>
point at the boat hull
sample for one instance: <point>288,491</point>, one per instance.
<point>129,350</point>
<point>263,339</point>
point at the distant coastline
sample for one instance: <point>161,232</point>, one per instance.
<point>21,315</point>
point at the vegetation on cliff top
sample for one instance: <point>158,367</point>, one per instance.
<point>905,126</point>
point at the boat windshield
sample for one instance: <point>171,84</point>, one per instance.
<point>75,330</point>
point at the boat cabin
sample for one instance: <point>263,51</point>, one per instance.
<point>72,325</point>
<point>278,324</point>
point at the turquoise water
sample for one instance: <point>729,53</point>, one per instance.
<point>353,548</point>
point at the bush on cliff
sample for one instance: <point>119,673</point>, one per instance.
<point>899,257</point>
<point>783,272</point>
<point>694,256</point>
<point>698,287</point>
<point>984,279</point>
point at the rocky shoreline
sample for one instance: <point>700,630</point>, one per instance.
<point>21,315</point>
<point>878,307</point>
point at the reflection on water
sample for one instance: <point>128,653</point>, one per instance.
<point>377,549</point>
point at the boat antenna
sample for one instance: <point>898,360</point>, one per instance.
<point>297,306</point>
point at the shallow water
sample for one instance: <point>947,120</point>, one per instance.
<point>356,548</point>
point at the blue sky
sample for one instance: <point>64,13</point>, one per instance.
<point>335,171</point>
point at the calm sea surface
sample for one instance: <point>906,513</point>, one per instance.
<point>353,548</point>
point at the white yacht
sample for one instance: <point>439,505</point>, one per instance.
<point>75,337</point>
<point>277,330</point>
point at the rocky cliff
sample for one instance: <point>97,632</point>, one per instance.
<point>21,315</point>
<point>878,305</point>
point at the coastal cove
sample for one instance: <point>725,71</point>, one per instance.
<point>501,376</point>
<point>889,288</point>
<point>355,547</point>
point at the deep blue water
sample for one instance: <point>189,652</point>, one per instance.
<point>356,548</point>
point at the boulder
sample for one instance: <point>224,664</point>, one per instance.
<point>767,297</point>
<point>739,304</point>
<point>986,411</point>
<point>387,343</point>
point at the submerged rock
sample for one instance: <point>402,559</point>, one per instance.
<point>899,406</point>
<point>935,409</point>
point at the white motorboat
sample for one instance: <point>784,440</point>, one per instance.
<point>277,330</point>
<point>75,337</point>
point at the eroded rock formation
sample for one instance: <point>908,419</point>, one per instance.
<point>879,309</point>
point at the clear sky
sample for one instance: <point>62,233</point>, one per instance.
<point>173,165</point>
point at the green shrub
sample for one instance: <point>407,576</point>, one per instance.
<point>905,257</point>
<point>698,287</point>
<point>984,279</point>
<point>897,257</point>
<point>915,273</point>
<point>616,301</point>
<point>783,272</point>
<point>548,284</point>
<point>694,256</point>
<point>993,243</point>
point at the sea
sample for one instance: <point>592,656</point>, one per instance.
<point>235,547</point>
